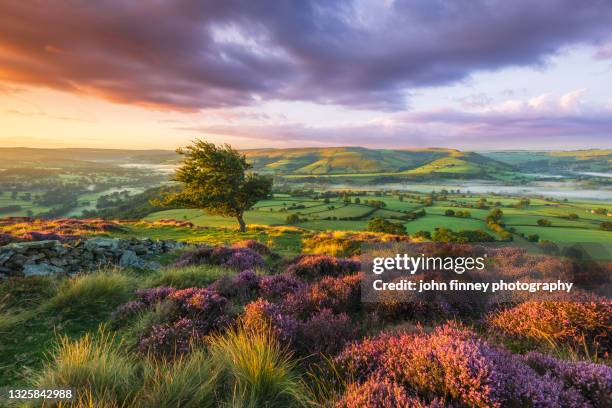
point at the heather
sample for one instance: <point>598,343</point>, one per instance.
<point>452,363</point>
<point>211,329</point>
<point>584,326</point>
<point>240,258</point>
<point>310,267</point>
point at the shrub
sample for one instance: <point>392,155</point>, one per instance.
<point>324,333</point>
<point>241,258</point>
<point>254,369</point>
<point>94,293</point>
<point>382,225</point>
<point>342,294</point>
<point>292,219</point>
<point>198,313</point>
<point>453,363</point>
<point>262,313</point>
<point>593,381</point>
<point>311,267</point>
<point>92,366</point>
<point>276,287</point>
<point>577,324</point>
<point>543,222</point>
<point>381,393</point>
<point>243,286</point>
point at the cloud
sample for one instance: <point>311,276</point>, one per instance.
<point>189,55</point>
<point>541,122</point>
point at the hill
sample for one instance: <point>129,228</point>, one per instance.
<point>360,160</point>
<point>593,160</point>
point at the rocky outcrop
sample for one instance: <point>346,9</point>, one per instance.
<point>50,257</point>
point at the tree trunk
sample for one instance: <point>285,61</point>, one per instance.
<point>241,222</point>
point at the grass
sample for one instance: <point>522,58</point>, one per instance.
<point>92,365</point>
<point>94,293</point>
<point>239,368</point>
<point>256,369</point>
<point>187,277</point>
<point>188,382</point>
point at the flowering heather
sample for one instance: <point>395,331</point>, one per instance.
<point>64,228</point>
<point>262,313</point>
<point>276,287</point>
<point>170,339</point>
<point>454,363</point>
<point>593,381</point>
<point>342,295</point>
<point>311,267</point>
<point>154,295</point>
<point>253,245</point>
<point>200,311</point>
<point>6,239</point>
<point>236,258</point>
<point>127,310</point>
<point>243,258</point>
<point>325,333</point>
<point>572,323</point>
<point>381,393</point>
<point>244,286</point>
<point>200,302</point>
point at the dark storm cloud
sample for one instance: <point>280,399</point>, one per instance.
<point>188,55</point>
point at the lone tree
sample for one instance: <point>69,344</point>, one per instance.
<point>215,179</point>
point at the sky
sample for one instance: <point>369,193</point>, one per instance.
<point>473,75</point>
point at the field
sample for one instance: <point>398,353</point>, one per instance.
<point>570,221</point>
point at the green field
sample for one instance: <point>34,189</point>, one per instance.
<point>318,215</point>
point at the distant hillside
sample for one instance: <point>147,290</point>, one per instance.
<point>594,160</point>
<point>20,156</point>
<point>359,160</point>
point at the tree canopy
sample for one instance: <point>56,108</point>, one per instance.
<point>216,179</point>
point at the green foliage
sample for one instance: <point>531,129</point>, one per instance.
<point>382,225</point>
<point>446,235</point>
<point>95,293</point>
<point>543,222</point>
<point>292,219</point>
<point>606,226</point>
<point>533,237</point>
<point>215,178</point>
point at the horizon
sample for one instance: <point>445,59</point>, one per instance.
<point>317,147</point>
<point>309,74</point>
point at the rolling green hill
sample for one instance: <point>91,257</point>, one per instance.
<point>594,160</point>
<point>359,160</point>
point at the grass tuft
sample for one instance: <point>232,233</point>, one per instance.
<point>188,277</point>
<point>99,291</point>
<point>95,367</point>
<point>255,369</point>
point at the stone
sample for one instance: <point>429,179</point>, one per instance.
<point>5,256</point>
<point>129,259</point>
<point>41,269</point>
<point>106,243</point>
<point>25,246</point>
